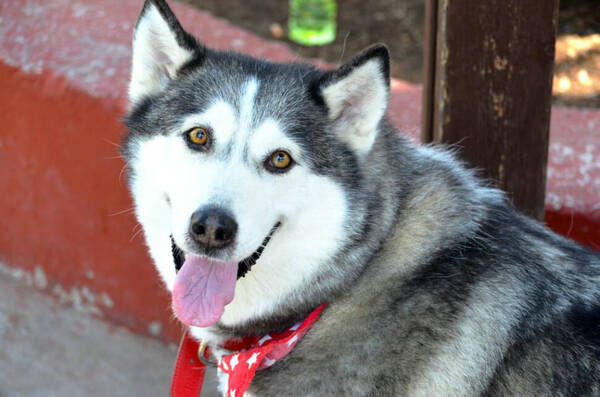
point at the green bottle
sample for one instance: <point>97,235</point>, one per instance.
<point>312,22</point>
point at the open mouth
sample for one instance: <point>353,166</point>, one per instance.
<point>204,285</point>
<point>244,265</point>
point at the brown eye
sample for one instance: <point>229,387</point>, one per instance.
<point>198,136</point>
<point>279,161</point>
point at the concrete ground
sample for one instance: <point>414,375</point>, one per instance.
<point>50,350</point>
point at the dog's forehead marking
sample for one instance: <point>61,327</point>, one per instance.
<point>243,133</point>
<point>254,136</point>
<point>245,118</point>
<point>247,104</point>
<point>231,121</point>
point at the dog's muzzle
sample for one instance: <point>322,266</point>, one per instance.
<point>243,267</point>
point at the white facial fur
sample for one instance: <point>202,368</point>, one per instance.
<point>170,181</point>
<point>156,55</point>
<point>310,207</point>
<point>357,103</point>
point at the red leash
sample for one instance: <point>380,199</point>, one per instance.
<point>188,374</point>
<point>250,354</point>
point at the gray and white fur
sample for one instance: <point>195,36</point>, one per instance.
<point>434,284</point>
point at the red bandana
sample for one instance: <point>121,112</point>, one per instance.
<point>251,355</point>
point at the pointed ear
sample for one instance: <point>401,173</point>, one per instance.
<point>160,48</point>
<point>356,96</point>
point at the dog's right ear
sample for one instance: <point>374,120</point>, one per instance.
<point>160,48</point>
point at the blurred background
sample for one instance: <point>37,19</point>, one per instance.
<point>400,24</point>
<point>82,310</point>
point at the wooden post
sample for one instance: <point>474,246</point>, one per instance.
<point>429,68</point>
<point>488,82</point>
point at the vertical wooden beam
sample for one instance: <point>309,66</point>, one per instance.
<point>429,66</point>
<point>490,87</point>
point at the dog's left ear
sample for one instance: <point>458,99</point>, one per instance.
<point>356,96</point>
<point>160,48</point>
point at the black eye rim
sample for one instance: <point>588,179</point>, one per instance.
<point>198,146</point>
<point>269,166</point>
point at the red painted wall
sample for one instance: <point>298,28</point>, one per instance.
<point>63,194</point>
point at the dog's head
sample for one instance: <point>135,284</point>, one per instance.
<point>246,174</point>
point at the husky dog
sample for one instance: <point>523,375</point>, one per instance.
<point>288,185</point>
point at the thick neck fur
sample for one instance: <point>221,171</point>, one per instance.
<point>442,209</point>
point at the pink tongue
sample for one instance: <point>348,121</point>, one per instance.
<point>202,289</point>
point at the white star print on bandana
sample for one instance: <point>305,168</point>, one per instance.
<point>262,353</point>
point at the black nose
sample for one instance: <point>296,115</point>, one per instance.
<point>212,227</point>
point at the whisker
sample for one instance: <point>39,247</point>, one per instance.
<point>344,47</point>
<point>123,211</point>
<point>121,174</point>
<point>136,234</point>
<point>113,143</point>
